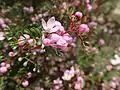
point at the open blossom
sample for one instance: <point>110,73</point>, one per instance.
<point>68,74</point>
<point>51,26</point>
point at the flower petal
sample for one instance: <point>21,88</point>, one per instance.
<point>51,22</point>
<point>44,24</point>
<point>57,23</point>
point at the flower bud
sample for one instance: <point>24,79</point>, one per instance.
<point>25,83</point>
<point>79,14</point>
<point>84,28</point>
<point>3,70</point>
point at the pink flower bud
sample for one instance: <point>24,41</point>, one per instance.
<point>21,43</point>
<point>87,1</point>
<point>29,74</point>
<point>101,42</point>
<point>77,86</point>
<point>40,15</point>
<point>8,66</point>
<point>31,42</point>
<point>11,54</point>
<point>109,67</point>
<point>33,19</point>
<point>26,9</point>
<point>1,21</point>
<point>79,14</point>
<point>3,25</point>
<point>84,28</point>
<point>25,83</point>
<point>31,9</point>
<point>3,64</point>
<point>3,70</point>
<point>26,36</point>
<point>89,7</point>
<point>113,85</point>
<point>47,42</point>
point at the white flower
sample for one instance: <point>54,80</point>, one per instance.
<point>51,26</point>
<point>115,61</point>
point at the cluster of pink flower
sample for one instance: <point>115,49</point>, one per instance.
<point>25,39</point>
<point>75,26</point>
<point>4,67</point>
<point>57,84</point>
<point>114,83</point>
<point>69,74</point>
<point>56,37</point>
<point>28,9</point>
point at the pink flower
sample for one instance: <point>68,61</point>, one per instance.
<point>2,36</point>
<point>68,74</point>
<point>79,14</point>
<point>57,81</point>
<point>25,83</point>
<point>54,37</point>
<point>109,67</point>
<point>89,7</point>
<point>30,42</point>
<point>11,54</point>
<point>84,28</point>
<point>57,84</point>
<point>113,85</point>
<point>3,64</point>
<point>68,38</point>
<point>51,26</point>
<point>1,21</point>
<point>21,40</point>
<point>87,1</point>
<point>28,9</point>
<point>29,75</point>
<point>47,42</point>
<point>8,66</point>
<point>62,42</point>
<point>101,42</point>
<point>77,86</point>
<point>3,69</point>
